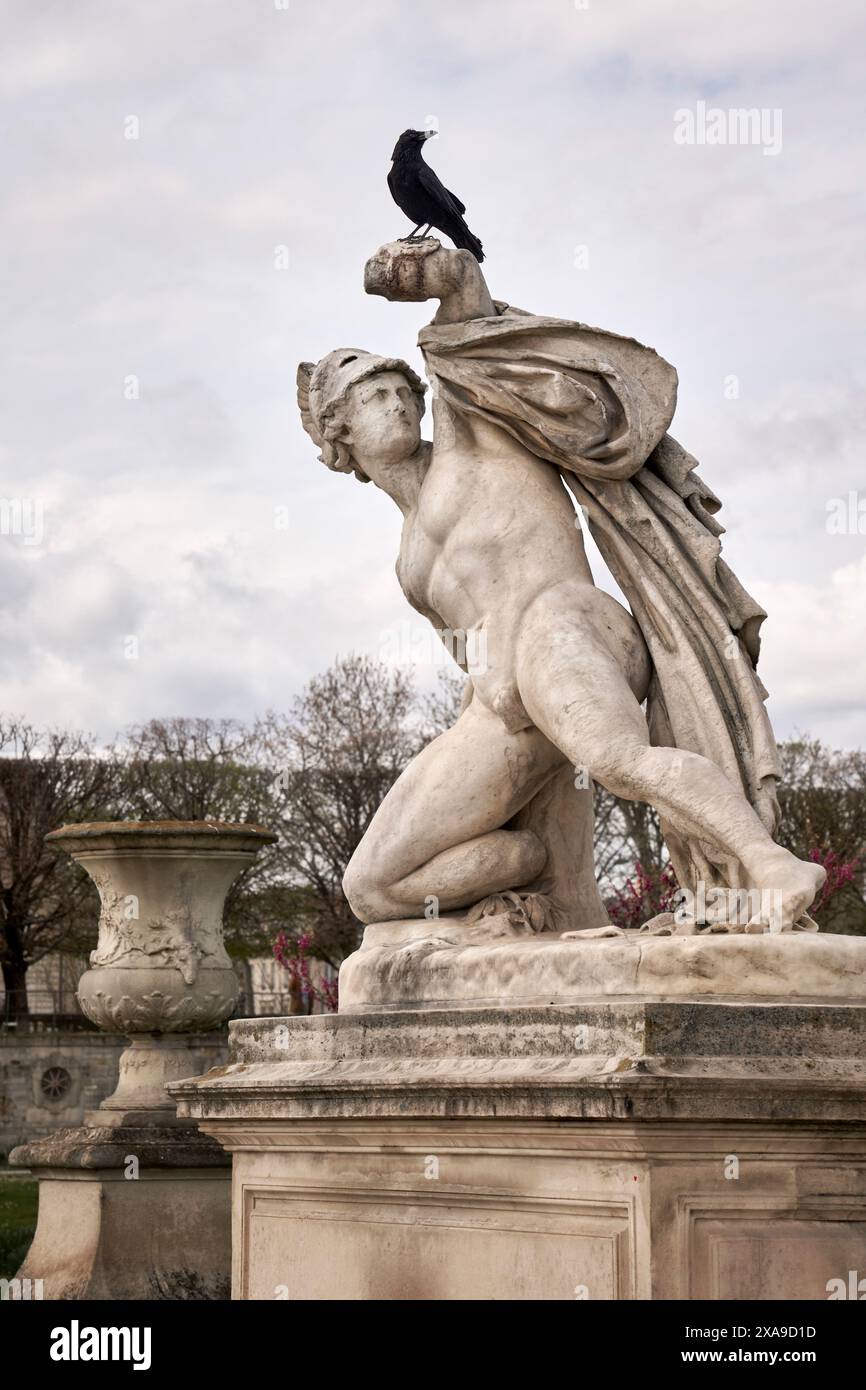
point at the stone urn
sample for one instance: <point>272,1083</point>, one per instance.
<point>160,971</point>
<point>136,1204</point>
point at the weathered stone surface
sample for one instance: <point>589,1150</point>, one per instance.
<point>136,1212</point>
<point>626,1058</point>
<point>616,1149</point>
<point>439,1210</point>
<point>83,1068</point>
<point>110,1146</point>
<point>160,965</point>
<point>419,964</point>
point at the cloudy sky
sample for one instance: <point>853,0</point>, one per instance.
<point>165,490</point>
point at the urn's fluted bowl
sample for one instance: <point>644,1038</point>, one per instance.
<point>160,964</point>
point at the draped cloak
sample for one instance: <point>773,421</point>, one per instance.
<point>597,406</point>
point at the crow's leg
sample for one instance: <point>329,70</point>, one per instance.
<point>414,236</point>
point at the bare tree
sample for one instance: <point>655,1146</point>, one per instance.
<point>442,707</point>
<point>823,800</point>
<point>627,833</point>
<point>48,778</point>
<point>192,769</point>
<point>334,756</point>
<point>211,769</point>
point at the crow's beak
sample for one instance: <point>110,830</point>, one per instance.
<point>428,134</point>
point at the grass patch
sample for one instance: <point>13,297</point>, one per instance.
<point>18,1202</point>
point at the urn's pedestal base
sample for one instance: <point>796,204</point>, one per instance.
<point>618,1150</point>
<point>130,1213</point>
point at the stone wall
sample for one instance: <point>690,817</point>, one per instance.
<point>51,1076</point>
<point>48,1080</point>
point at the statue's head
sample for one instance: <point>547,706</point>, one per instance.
<point>361,410</point>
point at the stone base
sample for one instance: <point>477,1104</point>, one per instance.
<point>667,1150</point>
<point>436,965</point>
<point>129,1213</point>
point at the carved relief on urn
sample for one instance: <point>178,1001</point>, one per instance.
<point>160,964</point>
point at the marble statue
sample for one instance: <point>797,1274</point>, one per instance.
<point>539,424</point>
<point>583,1093</point>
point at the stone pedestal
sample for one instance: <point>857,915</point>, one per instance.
<point>620,1149</point>
<point>135,1204</point>
<point>447,963</point>
<point>130,1212</point>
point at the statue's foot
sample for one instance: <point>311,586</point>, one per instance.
<point>788,887</point>
<point>535,912</point>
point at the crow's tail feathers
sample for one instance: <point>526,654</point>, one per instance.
<point>462,237</point>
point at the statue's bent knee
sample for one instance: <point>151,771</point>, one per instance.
<point>365,892</point>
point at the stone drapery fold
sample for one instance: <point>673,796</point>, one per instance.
<point>597,406</point>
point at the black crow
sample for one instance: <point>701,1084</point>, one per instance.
<point>426,201</point>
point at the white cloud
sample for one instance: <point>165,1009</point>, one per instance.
<point>814,658</point>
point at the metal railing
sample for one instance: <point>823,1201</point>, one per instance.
<point>46,1011</point>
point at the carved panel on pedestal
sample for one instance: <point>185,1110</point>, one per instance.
<point>408,1245</point>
